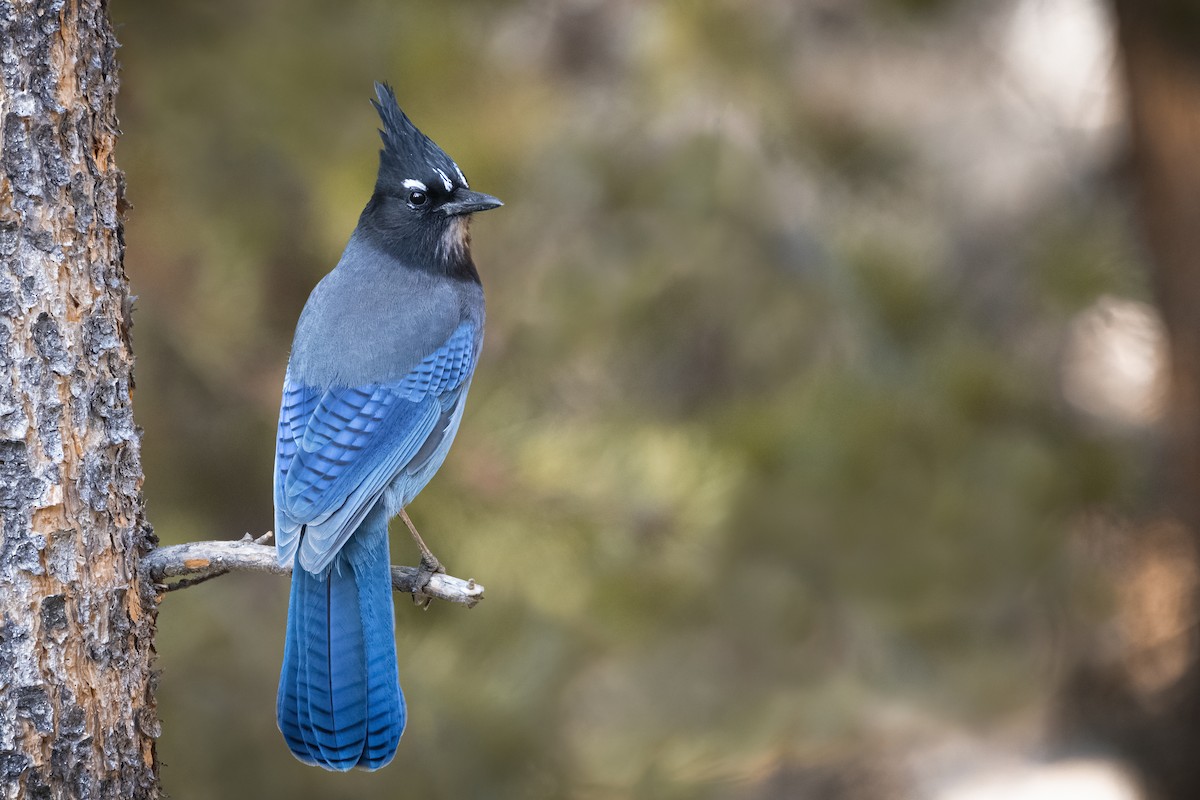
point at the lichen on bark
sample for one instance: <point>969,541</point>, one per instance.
<point>77,713</point>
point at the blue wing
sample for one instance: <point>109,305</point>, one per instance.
<point>339,449</point>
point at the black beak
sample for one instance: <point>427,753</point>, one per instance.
<point>464,201</point>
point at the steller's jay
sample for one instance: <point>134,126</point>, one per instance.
<point>375,387</point>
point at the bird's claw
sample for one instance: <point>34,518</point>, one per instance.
<point>430,564</point>
<point>429,567</point>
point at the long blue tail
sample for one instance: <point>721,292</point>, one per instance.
<point>339,703</point>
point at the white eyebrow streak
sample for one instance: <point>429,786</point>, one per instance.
<point>415,184</point>
<point>445,180</point>
<point>462,177</point>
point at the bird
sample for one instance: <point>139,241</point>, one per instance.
<point>376,382</point>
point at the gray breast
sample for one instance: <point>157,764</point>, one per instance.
<point>372,320</point>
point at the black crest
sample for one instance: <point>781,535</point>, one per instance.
<point>407,153</point>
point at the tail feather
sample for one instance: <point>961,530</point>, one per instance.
<point>290,712</point>
<point>339,703</point>
<point>385,707</point>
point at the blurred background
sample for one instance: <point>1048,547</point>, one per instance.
<point>823,445</point>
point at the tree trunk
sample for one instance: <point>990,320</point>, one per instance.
<point>1160,42</point>
<point>1160,49</point>
<point>77,710</point>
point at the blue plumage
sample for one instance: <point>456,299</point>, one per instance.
<point>375,390</point>
<point>339,703</point>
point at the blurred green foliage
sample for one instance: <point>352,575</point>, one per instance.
<point>765,441</point>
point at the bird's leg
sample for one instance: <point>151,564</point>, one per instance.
<point>428,559</point>
<point>429,563</point>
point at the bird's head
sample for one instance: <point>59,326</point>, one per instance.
<point>422,203</point>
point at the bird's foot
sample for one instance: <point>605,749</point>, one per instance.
<point>430,564</point>
<point>428,567</point>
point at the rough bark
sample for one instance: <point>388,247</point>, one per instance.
<point>77,712</point>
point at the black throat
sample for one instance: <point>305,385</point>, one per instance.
<point>429,242</point>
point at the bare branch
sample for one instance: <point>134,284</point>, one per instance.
<point>196,562</point>
<point>184,583</point>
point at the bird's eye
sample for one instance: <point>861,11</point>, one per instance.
<point>417,198</point>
